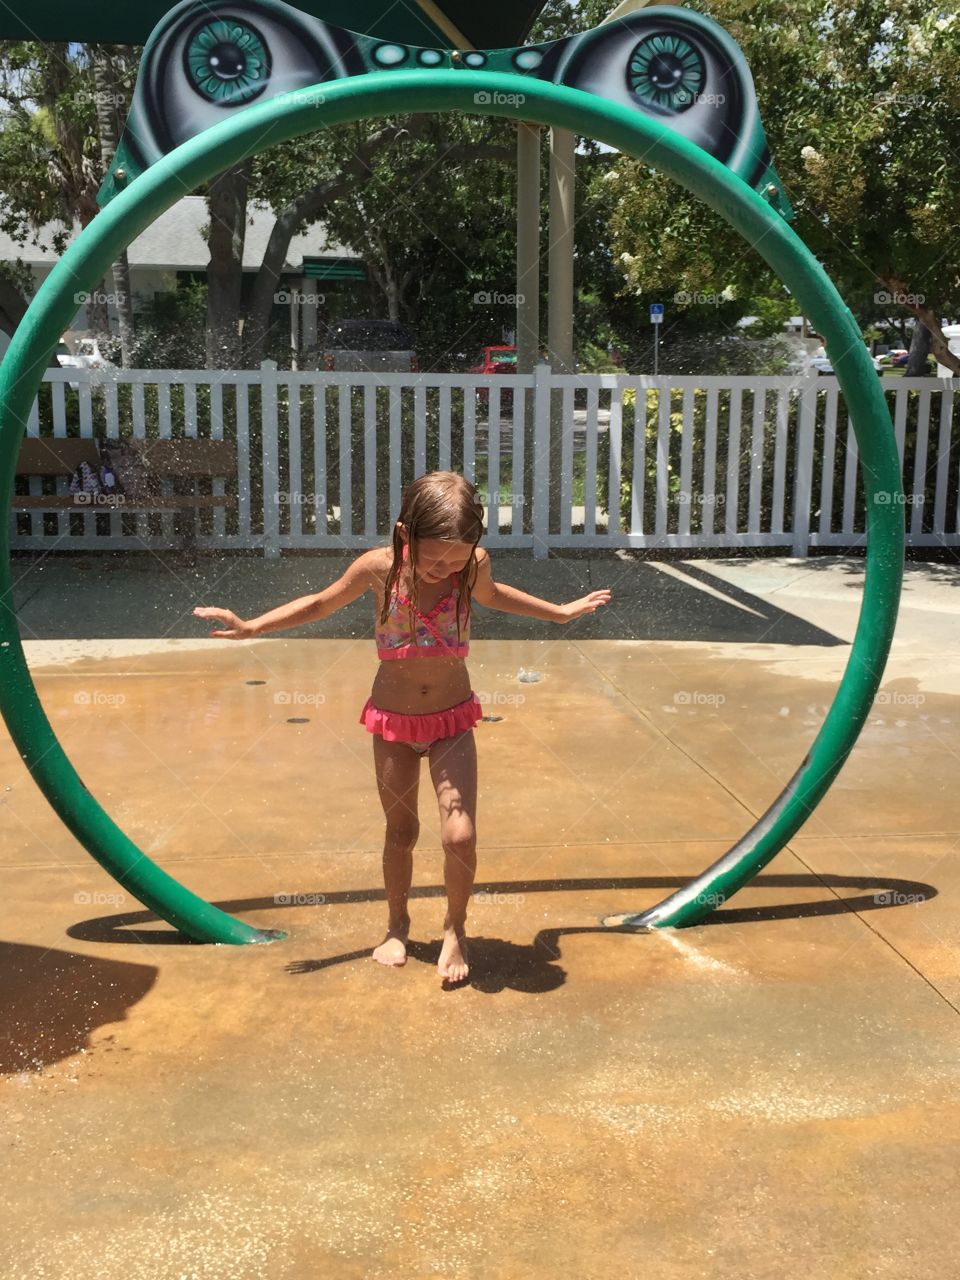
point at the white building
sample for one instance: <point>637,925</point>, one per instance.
<point>173,249</point>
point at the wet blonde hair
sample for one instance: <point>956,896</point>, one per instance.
<point>439,506</point>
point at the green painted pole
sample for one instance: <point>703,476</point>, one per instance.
<point>281,119</point>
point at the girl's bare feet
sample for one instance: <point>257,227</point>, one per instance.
<point>393,949</point>
<point>452,965</point>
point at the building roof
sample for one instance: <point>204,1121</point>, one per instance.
<point>174,241</point>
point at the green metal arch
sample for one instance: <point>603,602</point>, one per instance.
<point>283,118</point>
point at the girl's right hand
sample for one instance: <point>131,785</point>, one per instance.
<point>237,629</point>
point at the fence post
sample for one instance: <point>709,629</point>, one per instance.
<point>543,375</point>
<point>271,459</point>
<point>803,479</point>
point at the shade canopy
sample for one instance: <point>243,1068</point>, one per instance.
<point>492,25</point>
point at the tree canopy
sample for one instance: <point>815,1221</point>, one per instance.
<point>858,100</point>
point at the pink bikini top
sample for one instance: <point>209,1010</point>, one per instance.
<point>435,633</point>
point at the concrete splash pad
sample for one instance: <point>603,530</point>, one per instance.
<point>775,1088</point>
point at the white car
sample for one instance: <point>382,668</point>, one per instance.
<point>821,362</point>
<point>87,356</point>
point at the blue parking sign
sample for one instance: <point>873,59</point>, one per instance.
<point>656,313</point>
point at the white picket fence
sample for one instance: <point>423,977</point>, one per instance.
<point>322,458</point>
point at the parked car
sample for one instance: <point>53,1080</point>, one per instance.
<point>501,359</point>
<point>821,363</point>
<point>496,360</point>
<point>87,355</point>
<point>365,346</point>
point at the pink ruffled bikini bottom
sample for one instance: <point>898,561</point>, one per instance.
<point>421,731</point>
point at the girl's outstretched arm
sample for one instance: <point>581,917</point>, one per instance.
<point>497,595</point>
<point>297,613</point>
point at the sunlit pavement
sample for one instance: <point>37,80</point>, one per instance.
<point>772,1092</point>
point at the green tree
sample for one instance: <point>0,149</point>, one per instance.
<point>51,156</point>
<point>411,198</point>
<point>427,201</point>
<point>858,102</point>
<point>110,92</point>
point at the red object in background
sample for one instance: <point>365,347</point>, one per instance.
<point>496,360</point>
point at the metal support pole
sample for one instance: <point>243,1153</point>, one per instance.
<point>559,308</point>
<point>528,246</point>
<point>308,317</point>
<point>295,326</point>
<point>562,196</point>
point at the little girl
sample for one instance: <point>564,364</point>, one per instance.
<point>423,584</point>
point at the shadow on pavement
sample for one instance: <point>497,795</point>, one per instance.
<point>50,1002</point>
<point>126,597</point>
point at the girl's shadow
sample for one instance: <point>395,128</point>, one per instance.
<point>495,964</point>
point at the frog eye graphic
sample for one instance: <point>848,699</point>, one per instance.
<point>666,71</point>
<point>227,62</point>
<point>208,58</point>
<point>679,67</point>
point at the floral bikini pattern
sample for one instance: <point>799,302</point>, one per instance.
<point>435,632</point>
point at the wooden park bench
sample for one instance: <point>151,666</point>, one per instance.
<point>180,459</point>
<point>184,459</point>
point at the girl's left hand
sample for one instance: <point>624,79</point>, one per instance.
<point>589,604</point>
<point>236,628</point>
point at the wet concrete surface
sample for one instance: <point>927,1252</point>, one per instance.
<point>773,1090</point>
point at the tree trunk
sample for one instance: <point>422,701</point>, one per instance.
<point>392,291</point>
<point>919,351</point>
<point>382,281</point>
<point>13,305</point>
<point>256,324</point>
<point>108,104</point>
<point>939,347</point>
<point>121,288</point>
<point>97,319</point>
<point>227,200</point>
